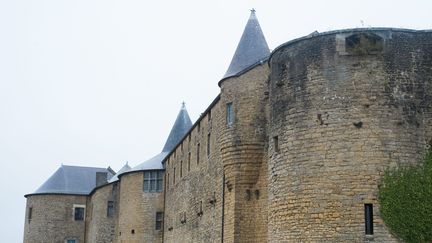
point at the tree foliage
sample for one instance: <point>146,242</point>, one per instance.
<point>405,197</point>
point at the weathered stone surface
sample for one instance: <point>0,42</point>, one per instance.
<point>193,196</point>
<point>313,131</point>
<point>100,226</point>
<point>137,211</point>
<point>342,119</point>
<point>52,219</point>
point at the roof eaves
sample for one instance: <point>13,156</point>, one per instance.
<point>247,69</point>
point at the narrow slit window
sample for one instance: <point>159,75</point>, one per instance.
<point>198,153</point>
<point>181,169</point>
<point>167,180</point>
<point>110,209</point>
<point>229,114</point>
<point>30,212</point>
<point>174,175</point>
<point>189,159</point>
<point>276,144</point>
<point>368,208</point>
<point>208,145</point>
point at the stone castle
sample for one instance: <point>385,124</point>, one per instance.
<point>291,150</point>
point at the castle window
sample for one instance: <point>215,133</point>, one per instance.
<point>167,180</point>
<point>174,175</point>
<point>208,145</point>
<point>71,241</point>
<point>153,181</point>
<point>229,114</point>
<point>189,158</point>
<point>181,169</point>
<point>79,212</point>
<point>198,153</point>
<point>29,215</point>
<point>276,144</point>
<point>183,218</point>
<point>368,209</point>
<point>159,220</point>
<point>110,209</point>
<point>200,209</point>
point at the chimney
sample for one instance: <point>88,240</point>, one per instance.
<point>101,178</point>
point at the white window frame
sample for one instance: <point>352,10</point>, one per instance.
<point>73,212</point>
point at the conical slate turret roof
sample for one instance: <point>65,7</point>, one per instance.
<point>251,49</point>
<point>181,126</point>
<point>76,180</point>
<point>124,169</point>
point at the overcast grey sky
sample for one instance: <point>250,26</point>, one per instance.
<point>100,82</point>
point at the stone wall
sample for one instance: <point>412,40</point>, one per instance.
<point>243,154</point>
<point>193,198</point>
<point>52,219</point>
<point>312,132</point>
<point>137,211</point>
<point>345,106</point>
<point>100,225</point>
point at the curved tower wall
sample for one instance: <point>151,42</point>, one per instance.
<point>52,218</point>
<point>345,106</point>
<point>100,224</point>
<point>242,146</point>
<point>137,210</point>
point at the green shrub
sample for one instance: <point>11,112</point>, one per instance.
<point>405,198</point>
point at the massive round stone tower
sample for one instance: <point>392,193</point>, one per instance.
<point>344,107</point>
<point>56,212</point>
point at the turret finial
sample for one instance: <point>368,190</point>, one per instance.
<point>251,50</point>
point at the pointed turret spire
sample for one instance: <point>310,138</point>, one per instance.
<point>251,49</point>
<point>124,169</point>
<point>180,128</point>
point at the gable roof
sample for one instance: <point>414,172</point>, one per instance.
<point>252,48</point>
<point>75,180</point>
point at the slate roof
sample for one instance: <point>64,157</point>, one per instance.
<point>252,48</point>
<point>181,126</point>
<point>124,169</point>
<point>155,163</point>
<point>75,180</point>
